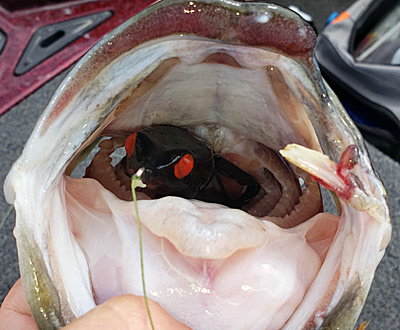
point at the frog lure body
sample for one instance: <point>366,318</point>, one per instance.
<point>176,163</point>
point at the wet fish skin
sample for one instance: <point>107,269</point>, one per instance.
<point>50,317</point>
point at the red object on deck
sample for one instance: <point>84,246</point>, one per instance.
<point>31,29</point>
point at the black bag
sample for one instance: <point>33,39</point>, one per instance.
<point>359,56</point>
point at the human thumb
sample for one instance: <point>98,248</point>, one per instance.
<point>126,312</point>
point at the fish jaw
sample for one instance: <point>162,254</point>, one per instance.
<point>364,219</point>
<point>204,276</point>
<point>37,185</point>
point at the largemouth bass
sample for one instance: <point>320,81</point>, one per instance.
<point>242,78</point>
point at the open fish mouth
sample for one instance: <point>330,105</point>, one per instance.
<point>242,78</point>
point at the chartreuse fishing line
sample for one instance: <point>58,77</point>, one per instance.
<point>136,181</point>
<point>3,220</point>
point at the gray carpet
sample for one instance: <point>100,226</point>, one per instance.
<point>382,308</point>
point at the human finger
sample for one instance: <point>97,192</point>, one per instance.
<point>14,312</point>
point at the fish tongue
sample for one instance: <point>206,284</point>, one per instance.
<point>215,231</point>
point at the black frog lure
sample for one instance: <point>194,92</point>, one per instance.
<point>176,163</point>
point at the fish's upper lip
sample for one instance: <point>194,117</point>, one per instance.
<point>239,19</point>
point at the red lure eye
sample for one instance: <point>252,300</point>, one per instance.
<point>130,144</point>
<point>184,166</point>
